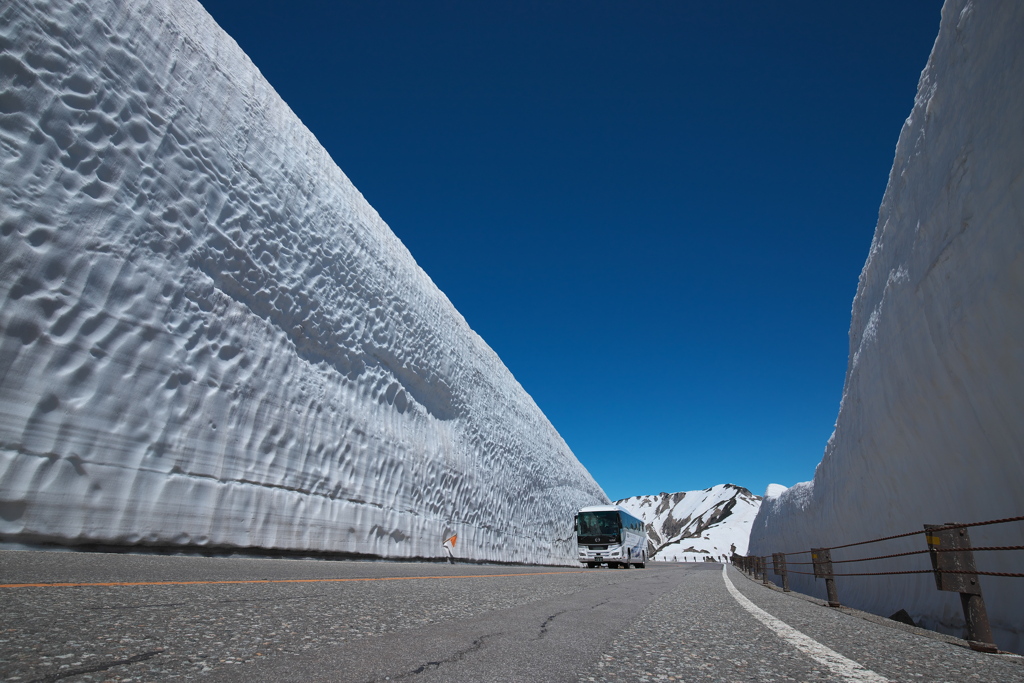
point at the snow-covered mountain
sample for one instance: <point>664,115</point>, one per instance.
<point>692,526</point>
<point>930,428</point>
<point>208,337</point>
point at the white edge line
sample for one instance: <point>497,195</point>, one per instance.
<point>838,664</point>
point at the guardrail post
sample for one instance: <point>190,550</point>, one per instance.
<point>764,570</point>
<point>779,566</point>
<point>759,568</point>
<point>949,547</point>
<point>822,559</point>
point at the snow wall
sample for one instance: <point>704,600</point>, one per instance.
<point>209,338</point>
<point>931,424</point>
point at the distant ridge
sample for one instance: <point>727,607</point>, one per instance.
<point>696,526</point>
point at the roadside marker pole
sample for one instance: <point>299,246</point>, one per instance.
<point>449,546</point>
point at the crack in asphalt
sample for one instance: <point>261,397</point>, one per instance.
<point>431,666</point>
<point>544,626</point>
<point>102,666</point>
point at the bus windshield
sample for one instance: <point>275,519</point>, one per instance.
<point>605,523</point>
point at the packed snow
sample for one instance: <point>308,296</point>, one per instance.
<point>209,338</point>
<point>696,526</point>
<point>930,428</point>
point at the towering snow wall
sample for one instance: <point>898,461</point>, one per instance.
<point>208,337</point>
<point>931,425</point>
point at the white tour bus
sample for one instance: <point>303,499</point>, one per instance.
<point>607,534</point>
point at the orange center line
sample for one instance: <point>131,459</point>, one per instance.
<point>237,581</point>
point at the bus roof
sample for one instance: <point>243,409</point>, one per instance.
<point>604,508</point>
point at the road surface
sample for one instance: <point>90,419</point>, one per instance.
<point>232,619</point>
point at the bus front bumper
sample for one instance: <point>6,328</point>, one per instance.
<point>591,554</point>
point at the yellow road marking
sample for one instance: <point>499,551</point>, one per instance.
<point>238,581</point>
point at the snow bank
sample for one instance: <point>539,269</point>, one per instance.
<point>693,526</point>
<point>208,337</point>
<point>930,428</point>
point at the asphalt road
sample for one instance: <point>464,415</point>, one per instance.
<point>227,619</point>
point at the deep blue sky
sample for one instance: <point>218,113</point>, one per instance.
<point>654,212</point>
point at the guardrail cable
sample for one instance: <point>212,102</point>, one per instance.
<point>922,531</point>
<point>922,571</point>
<point>908,571</point>
<point>882,557</point>
<point>977,548</point>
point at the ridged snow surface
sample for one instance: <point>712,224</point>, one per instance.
<point>694,526</point>
<point>931,426</point>
<point>208,337</point>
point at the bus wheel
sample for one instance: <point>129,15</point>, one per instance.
<point>643,562</point>
<point>591,565</point>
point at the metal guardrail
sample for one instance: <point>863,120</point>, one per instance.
<point>952,559</point>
